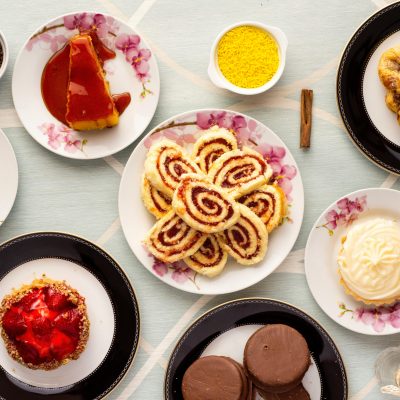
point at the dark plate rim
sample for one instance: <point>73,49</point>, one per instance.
<point>101,251</point>
<point>267,300</point>
<point>378,162</point>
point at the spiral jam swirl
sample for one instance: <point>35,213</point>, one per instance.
<point>156,202</point>
<point>210,259</point>
<point>369,260</point>
<point>165,163</point>
<point>269,203</point>
<point>247,240</point>
<point>211,146</point>
<point>171,239</point>
<point>240,172</point>
<point>204,206</point>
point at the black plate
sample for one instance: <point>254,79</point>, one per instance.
<point>126,336</point>
<point>363,132</point>
<point>257,311</point>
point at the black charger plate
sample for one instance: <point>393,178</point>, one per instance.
<point>126,311</point>
<point>362,131</point>
<point>257,311</point>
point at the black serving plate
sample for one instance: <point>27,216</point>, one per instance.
<point>126,312</point>
<point>357,53</point>
<point>257,311</point>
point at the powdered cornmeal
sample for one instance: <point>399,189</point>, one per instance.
<point>248,56</point>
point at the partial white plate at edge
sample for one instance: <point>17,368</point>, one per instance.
<point>321,265</point>
<point>8,177</point>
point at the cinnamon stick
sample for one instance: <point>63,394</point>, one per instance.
<point>306,117</point>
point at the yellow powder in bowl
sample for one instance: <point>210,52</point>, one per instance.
<point>248,56</point>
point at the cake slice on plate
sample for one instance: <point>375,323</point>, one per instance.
<point>89,102</point>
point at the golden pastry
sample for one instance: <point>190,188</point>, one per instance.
<point>171,239</point>
<point>393,101</point>
<point>210,259</point>
<point>247,240</point>
<point>156,202</point>
<point>369,261</point>
<point>211,145</point>
<point>269,203</point>
<point>389,69</point>
<point>240,171</point>
<point>204,206</point>
<point>165,163</point>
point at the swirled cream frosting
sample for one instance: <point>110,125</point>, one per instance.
<point>369,260</point>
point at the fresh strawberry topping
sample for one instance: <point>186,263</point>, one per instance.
<point>44,326</point>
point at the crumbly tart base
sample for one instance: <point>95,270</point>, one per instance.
<point>357,297</point>
<point>73,296</point>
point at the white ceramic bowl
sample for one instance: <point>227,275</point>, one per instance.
<point>218,78</point>
<point>3,44</point>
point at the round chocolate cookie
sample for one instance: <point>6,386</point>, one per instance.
<point>215,377</point>
<point>298,393</point>
<point>276,358</point>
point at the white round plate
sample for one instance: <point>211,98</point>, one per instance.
<point>122,75</point>
<point>321,266</point>
<point>8,176</point>
<point>184,129</point>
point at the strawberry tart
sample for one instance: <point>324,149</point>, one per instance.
<point>44,325</point>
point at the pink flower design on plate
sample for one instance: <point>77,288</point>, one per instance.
<point>61,134</point>
<point>181,273</point>
<point>136,56</point>
<point>346,213</point>
<point>376,317</point>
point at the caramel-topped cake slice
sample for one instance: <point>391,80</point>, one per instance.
<point>89,102</point>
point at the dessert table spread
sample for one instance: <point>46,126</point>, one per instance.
<point>81,197</point>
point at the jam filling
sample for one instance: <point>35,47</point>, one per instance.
<point>210,204</point>
<point>260,205</point>
<point>242,238</point>
<point>240,171</point>
<point>44,326</point>
<point>153,194</point>
<point>214,254</point>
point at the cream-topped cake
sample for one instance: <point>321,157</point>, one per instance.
<point>369,261</point>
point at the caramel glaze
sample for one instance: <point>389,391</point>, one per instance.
<point>55,77</point>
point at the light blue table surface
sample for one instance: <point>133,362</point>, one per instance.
<point>81,196</point>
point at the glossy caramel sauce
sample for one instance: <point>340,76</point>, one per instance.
<point>56,77</point>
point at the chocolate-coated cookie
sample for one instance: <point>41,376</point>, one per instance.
<point>276,357</point>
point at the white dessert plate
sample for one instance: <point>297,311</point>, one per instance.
<point>8,176</point>
<point>133,70</point>
<point>321,261</point>
<point>184,129</point>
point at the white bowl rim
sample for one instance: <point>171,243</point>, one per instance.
<point>219,80</point>
<point>4,45</point>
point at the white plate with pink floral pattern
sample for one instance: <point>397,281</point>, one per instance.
<point>184,129</point>
<point>133,70</point>
<point>321,261</point>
